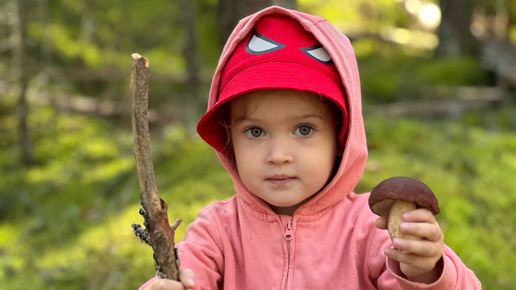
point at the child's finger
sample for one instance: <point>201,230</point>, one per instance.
<point>419,247</point>
<point>417,262</point>
<point>410,264</point>
<point>405,258</point>
<point>419,215</point>
<point>187,277</point>
<point>165,284</point>
<point>427,231</point>
<point>381,223</point>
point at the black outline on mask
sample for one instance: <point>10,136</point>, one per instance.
<point>306,50</point>
<point>256,34</point>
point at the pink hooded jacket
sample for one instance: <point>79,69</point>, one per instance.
<point>331,241</point>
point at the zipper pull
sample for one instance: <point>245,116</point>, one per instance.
<point>288,231</point>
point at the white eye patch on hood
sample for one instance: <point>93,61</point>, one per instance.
<point>259,44</point>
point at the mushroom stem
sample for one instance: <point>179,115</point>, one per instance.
<point>394,221</point>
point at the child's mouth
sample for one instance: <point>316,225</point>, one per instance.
<point>280,179</point>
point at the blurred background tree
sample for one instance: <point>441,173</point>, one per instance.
<point>438,83</point>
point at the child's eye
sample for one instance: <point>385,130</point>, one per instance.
<point>254,132</point>
<point>303,130</point>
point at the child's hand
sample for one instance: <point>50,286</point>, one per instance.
<point>420,262</point>
<point>186,276</point>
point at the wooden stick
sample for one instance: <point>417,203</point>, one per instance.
<point>157,233</point>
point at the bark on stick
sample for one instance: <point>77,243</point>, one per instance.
<point>157,233</point>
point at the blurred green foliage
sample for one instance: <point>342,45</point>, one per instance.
<point>413,75</point>
<point>65,221</point>
<point>469,164</point>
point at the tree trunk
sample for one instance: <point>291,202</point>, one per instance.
<point>455,38</point>
<point>229,12</point>
<point>46,45</point>
<point>87,22</point>
<point>188,20</point>
<point>491,20</point>
<point>20,73</point>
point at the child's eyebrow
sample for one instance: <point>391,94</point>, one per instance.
<point>242,119</point>
<point>309,116</point>
<point>255,120</point>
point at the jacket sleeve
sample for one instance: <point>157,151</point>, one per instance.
<point>201,252</point>
<point>455,275</point>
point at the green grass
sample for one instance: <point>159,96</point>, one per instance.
<point>65,221</point>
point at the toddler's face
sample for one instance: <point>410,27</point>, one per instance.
<point>285,145</point>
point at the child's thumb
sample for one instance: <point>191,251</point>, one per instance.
<point>187,277</point>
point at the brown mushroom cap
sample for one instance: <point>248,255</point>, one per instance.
<point>401,188</point>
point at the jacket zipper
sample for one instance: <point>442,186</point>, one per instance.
<point>288,237</point>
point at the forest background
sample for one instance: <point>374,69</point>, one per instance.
<point>438,86</point>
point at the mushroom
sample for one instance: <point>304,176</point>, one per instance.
<point>396,195</point>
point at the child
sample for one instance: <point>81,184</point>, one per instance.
<point>284,117</point>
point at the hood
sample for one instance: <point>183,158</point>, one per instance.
<point>355,148</point>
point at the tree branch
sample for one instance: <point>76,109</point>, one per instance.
<point>158,233</point>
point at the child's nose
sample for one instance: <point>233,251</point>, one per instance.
<point>279,152</point>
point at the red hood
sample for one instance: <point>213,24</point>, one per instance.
<point>355,151</point>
